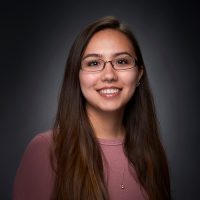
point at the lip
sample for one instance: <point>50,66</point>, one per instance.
<point>109,87</point>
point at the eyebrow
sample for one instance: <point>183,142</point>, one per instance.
<point>100,55</point>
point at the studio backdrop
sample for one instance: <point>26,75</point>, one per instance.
<point>35,40</point>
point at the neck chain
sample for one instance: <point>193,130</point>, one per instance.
<point>122,182</point>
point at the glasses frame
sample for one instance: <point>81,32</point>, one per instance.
<point>113,66</point>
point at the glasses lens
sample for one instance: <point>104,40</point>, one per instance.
<point>92,64</point>
<point>123,63</point>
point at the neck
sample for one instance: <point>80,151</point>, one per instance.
<point>107,125</point>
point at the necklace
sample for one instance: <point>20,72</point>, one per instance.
<point>122,182</point>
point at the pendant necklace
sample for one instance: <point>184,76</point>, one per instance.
<point>122,182</point>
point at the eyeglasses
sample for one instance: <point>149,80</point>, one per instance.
<point>93,64</point>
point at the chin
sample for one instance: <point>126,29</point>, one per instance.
<point>106,107</point>
<point>111,109</point>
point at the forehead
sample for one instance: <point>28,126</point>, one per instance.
<point>109,41</point>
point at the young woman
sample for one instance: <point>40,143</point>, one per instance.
<point>105,142</point>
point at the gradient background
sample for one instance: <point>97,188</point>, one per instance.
<point>35,39</point>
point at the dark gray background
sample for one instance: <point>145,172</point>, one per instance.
<point>35,39</point>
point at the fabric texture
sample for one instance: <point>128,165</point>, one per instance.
<point>35,178</point>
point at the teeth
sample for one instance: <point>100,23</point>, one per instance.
<point>109,91</point>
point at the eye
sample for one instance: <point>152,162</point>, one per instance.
<point>122,61</point>
<point>93,63</point>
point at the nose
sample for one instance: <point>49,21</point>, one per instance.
<point>109,74</point>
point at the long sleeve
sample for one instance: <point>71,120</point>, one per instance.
<point>35,178</point>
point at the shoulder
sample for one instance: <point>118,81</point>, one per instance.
<point>43,138</point>
<point>35,176</point>
<point>38,150</point>
<point>40,146</point>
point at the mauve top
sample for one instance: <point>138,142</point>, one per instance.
<point>35,178</point>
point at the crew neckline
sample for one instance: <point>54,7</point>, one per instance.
<point>111,142</point>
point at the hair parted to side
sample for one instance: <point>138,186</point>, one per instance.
<point>79,164</point>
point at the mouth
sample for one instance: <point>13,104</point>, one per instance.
<point>109,92</point>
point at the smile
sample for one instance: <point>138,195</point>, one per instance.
<point>109,91</point>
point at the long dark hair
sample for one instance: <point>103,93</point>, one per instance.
<point>79,168</point>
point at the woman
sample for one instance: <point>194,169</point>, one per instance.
<point>105,142</point>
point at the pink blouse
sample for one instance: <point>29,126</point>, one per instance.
<point>35,178</point>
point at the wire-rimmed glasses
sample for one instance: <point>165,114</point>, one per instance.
<point>95,64</point>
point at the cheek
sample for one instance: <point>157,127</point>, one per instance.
<point>87,80</point>
<point>130,79</point>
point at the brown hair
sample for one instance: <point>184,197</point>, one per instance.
<point>79,168</point>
